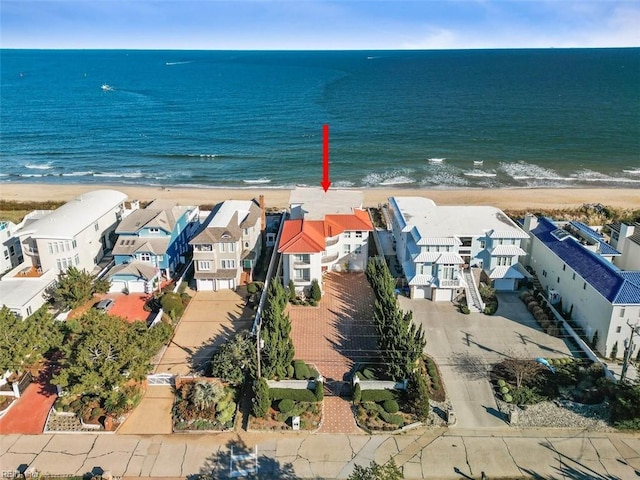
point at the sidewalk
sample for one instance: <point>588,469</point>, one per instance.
<point>437,454</point>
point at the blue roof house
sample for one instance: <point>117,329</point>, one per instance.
<point>601,298</point>
<point>152,243</point>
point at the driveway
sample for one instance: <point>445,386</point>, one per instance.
<point>466,346</point>
<point>210,319</point>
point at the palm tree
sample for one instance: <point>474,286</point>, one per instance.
<point>205,395</point>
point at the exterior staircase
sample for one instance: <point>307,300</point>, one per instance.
<point>474,301</point>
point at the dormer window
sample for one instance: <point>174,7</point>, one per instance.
<point>154,230</point>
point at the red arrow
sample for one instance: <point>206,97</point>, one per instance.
<point>326,183</point>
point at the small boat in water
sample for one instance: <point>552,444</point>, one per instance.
<point>106,88</point>
<point>478,163</point>
<point>437,160</point>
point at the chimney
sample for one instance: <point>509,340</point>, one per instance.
<point>263,214</point>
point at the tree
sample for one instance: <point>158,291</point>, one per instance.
<point>103,352</point>
<point>76,287</point>
<point>205,395</point>
<point>261,400</point>
<point>521,370</point>
<point>234,358</point>
<point>24,342</point>
<point>388,471</point>
<point>316,293</point>
<point>278,351</point>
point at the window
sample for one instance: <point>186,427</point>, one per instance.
<point>447,273</point>
<point>160,258</point>
<point>358,250</point>
<point>96,227</point>
<point>246,244</point>
<point>76,259</point>
<point>154,230</point>
<point>204,248</point>
<point>204,265</point>
<point>302,274</point>
<point>55,247</point>
<point>6,254</point>
<point>245,231</point>
<point>346,248</point>
<point>503,261</point>
<point>302,258</point>
<point>544,273</point>
<point>618,329</point>
<point>145,257</point>
<point>358,234</point>
<point>222,247</point>
<point>347,234</point>
<point>574,276</point>
<point>621,312</point>
<point>584,286</point>
<point>564,267</point>
<point>50,247</point>
<point>232,247</point>
<point>482,244</point>
<point>227,264</point>
<point>558,280</point>
<point>74,244</point>
<point>59,264</point>
<point>29,311</point>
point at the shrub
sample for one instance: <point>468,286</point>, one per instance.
<point>368,374</point>
<point>301,370</point>
<point>504,390</point>
<point>508,398</point>
<point>378,395</point>
<point>315,292</point>
<point>464,309</point>
<point>172,304</point>
<point>292,291</point>
<point>319,391</point>
<point>357,393</point>
<point>298,395</point>
<point>490,309</point>
<point>390,406</point>
<point>501,383</point>
<point>252,288</point>
<point>261,396</point>
<point>525,396</point>
<point>285,405</point>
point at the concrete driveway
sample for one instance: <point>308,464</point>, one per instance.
<point>210,319</point>
<point>466,346</point>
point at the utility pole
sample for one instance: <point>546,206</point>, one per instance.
<point>628,349</point>
<point>258,349</point>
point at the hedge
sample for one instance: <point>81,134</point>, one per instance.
<point>301,370</point>
<point>299,395</point>
<point>285,405</point>
<point>378,395</point>
<point>390,406</point>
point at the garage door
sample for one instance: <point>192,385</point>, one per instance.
<point>117,287</point>
<point>224,284</point>
<point>503,284</point>
<point>136,287</point>
<point>204,284</point>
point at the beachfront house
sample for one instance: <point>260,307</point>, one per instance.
<point>445,249</point>
<point>76,234</point>
<point>597,295</point>
<point>151,244</point>
<point>325,231</point>
<point>226,249</point>
<point>11,255</point>
<point>626,239</point>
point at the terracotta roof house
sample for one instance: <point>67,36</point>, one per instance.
<point>152,243</point>
<point>228,246</point>
<point>325,232</point>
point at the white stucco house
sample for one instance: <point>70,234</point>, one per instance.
<point>437,245</point>
<point>76,234</point>
<point>325,231</point>
<point>228,245</point>
<point>600,297</point>
<point>11,251</point>
<point>626,239</point>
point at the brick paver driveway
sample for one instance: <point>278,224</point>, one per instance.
<point>210,319</point>
<point>335,335</point>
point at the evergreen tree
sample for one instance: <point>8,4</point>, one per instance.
<point>278,351</point>
<point>75,287</point>
<point>261,400</point>
<point>234,358</point>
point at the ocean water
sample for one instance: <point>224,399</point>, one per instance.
<point>436,119</point>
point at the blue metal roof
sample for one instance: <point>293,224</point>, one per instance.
<point>605,248</point>
<point>598,272</point>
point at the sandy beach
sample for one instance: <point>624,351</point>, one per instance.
<point>544,198</point>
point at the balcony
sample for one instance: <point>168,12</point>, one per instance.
<point>455,283</point>
<point>32,252</point>
<point>30,272</point>
<point>331,242</point>
<point>330,258</point>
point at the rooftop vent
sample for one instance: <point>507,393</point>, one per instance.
<point>560,234</point>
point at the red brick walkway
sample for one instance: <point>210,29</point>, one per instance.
<point>335,335</point>
<point>29,414</point>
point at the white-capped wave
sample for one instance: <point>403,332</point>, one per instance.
<point>178,63</point>
<point>119,174</point>
<point>400,180</point>
<point>444,179</point>
<point>342,184</point>
<point>632,171</point>
<point>479,173</point>
<point>77,174</point>
<point>436,160</point>
<point>32,175</point>
<point>258,180</point>
<point>45,166</point>
<point>527,171</point>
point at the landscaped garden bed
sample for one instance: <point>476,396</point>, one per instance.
<point>278,406</point>
<point>204,405</point>
<point>564,392</point>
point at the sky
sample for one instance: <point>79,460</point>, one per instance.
<point>318,24</point>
